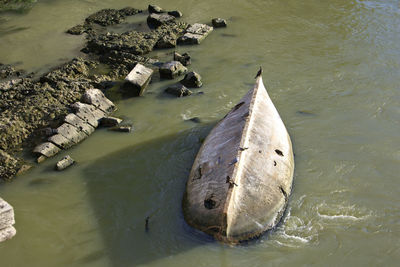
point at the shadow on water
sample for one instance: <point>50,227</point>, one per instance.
<point>145,181</point>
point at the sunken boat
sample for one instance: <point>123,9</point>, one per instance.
<point>241,179</point>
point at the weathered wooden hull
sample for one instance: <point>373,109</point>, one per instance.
<point>242,176</point>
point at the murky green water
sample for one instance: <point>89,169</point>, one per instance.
<point>332,70</point>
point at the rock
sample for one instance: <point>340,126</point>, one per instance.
<point>7,85</point>
<point>110,121</point>
<point>155,9</point>
<point>88,113</point>
<point>106,17</point>
<point>71,133</point>
<point>138,79</point>
<point>78,29</point>
<point>192,80</point>
<point>218,22</point>
<point>46,149</point>
<point>175,13</point>
<point>8,165</point>
<point>178,90</point>
<point>131,43</point>
<point>157,20</point>
<point>195,34</point>
<point>64,163</point>
<point>195,120</point>
<point>96,98</point>
<point>172,69</point>
<point>7,221</point>
<point>7,71</point>
<point>184,58</point>
<point>80,124</point>
<point>167,41</point>
<point>122,128</point>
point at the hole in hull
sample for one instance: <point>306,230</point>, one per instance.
<point>280,153</point>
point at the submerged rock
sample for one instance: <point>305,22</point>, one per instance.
<point>195,120</point>
<point>78,29</point>
<point>184,58</point>
<point>122,128</point>
<point>7,231</point>
<point>192,80</point>
<point>16,5</point>
<point>64,163</point>
<point>218,22</point>
<point>106,17</point>
<point>178,90</point>
<point>172,69</point>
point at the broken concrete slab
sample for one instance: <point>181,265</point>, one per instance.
<point>138,79</point>
<point>83,126</point>
<point>172,69</point>
<point>60,141</point>
<point>96,98</point>
<point>88,113</point>
<point>46,149</point>
<point>195,34</point>
<point>7,233</point>
<point>71,132</point>
<point>64,163</point>
<point>7,220</point>
<point>110,121</point>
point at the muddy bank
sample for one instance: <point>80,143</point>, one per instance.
<point>29,104</point>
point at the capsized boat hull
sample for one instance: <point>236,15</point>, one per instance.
<point>242,176</point>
